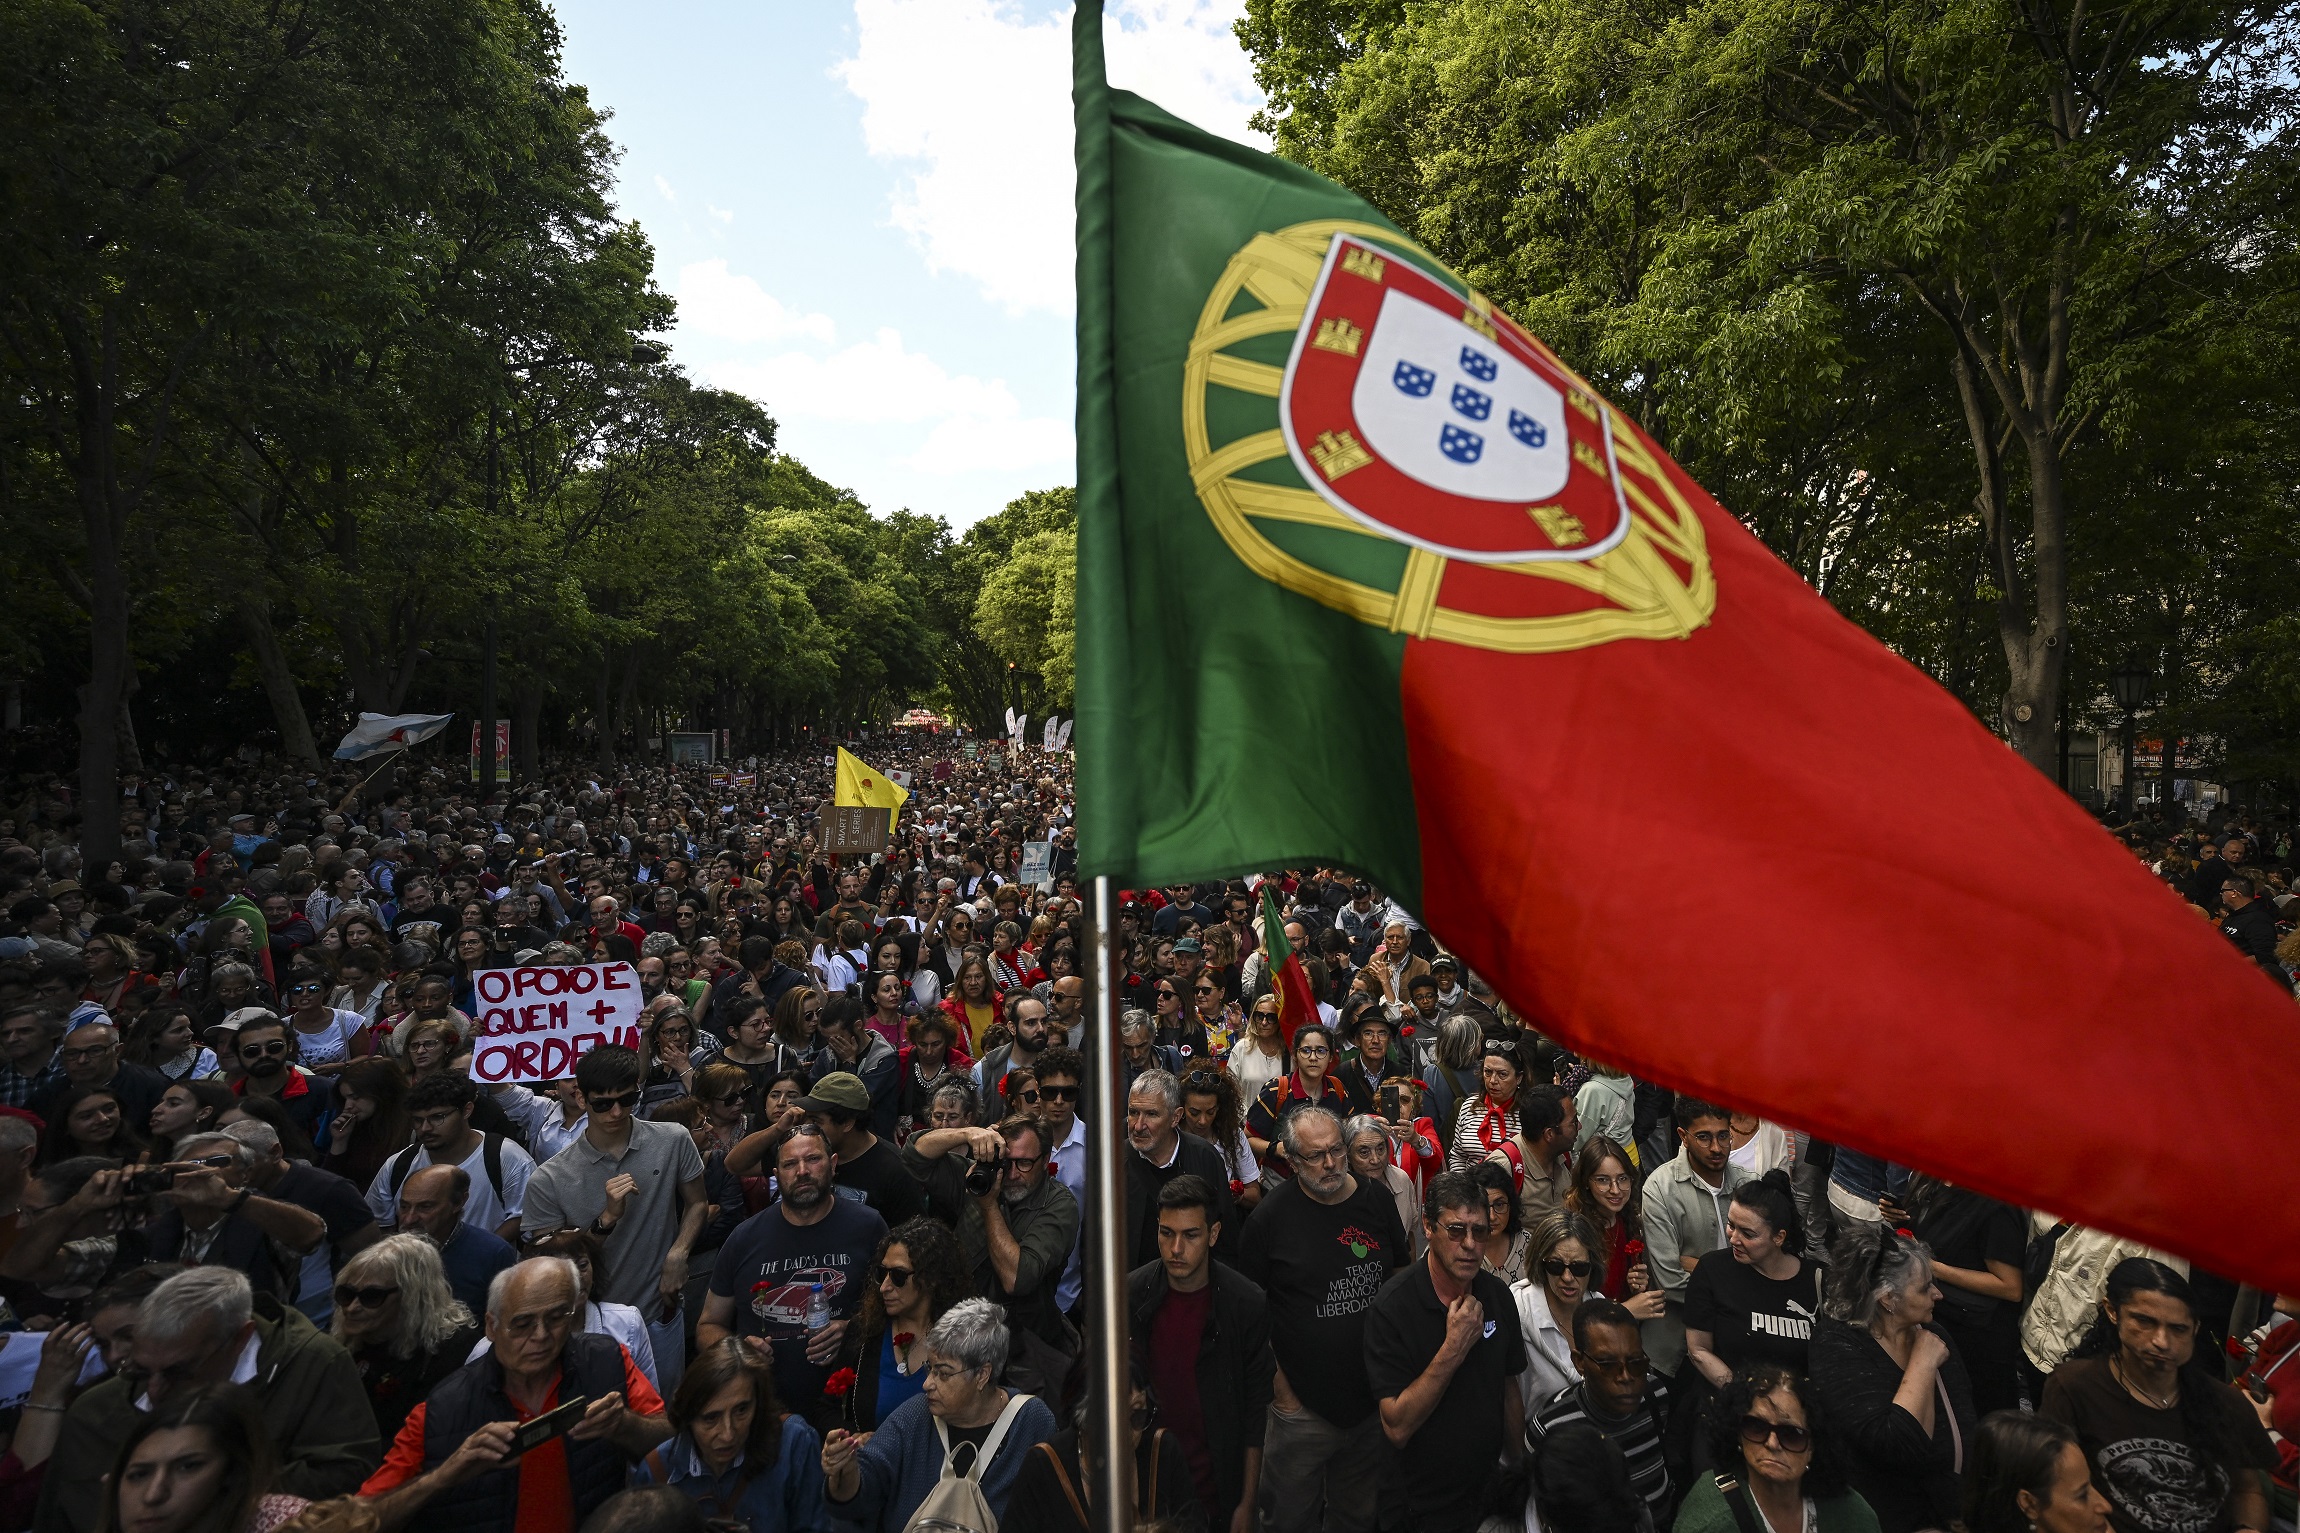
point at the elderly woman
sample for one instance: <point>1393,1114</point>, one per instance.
<point>1368,1138</point>
<point>1774,1464</point>
<point>1560,1271</point>
<point>737,1452</point>
<point>963,1421</point>
<point>1893,1387</point>
<point>396,1316</point>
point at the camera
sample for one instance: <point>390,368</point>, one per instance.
<point>156,1179</point>
<point>985,1175</point>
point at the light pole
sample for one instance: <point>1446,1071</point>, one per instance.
<point>2130,683</point>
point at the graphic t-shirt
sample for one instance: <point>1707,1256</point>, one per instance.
<point>768,1267</point>
<point>1321,1267</point>
<point>2141,1457</point>
<point>1750,1316</point>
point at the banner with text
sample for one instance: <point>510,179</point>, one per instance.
<point>535,1022</point>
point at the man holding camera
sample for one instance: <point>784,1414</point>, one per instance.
<point>1016,1223</point>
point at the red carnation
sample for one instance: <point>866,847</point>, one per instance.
<point>905,1338</point>
<point>837,1385</point>
<point>1237,1188</point>
<point>1905,1233</point>
<point>1633,1250</point>
<point>1406,1031</point>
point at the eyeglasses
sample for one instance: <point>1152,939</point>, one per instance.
<point>1463,1234</point>
<point>627,1102</point>
<point>1023,1162</point>
<point>1059,1093</point>
<point>547,1320</point>
<point>87,1052</point>
<point>1757,1431</point>
<point>1325,1157</point>
<point>1608,1179</point>
<point>1634,1366</point>
<point>263,1050</point>
<point>1558,1268</point>
<point>1312,1051</point>
<point>898,1276</point>
<point>369,1298</point>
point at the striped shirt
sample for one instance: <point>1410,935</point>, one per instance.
<point>1638,1438</point>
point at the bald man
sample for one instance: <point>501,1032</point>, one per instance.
<point>431,1205</point>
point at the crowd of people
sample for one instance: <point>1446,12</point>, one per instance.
<point>810,1255</point>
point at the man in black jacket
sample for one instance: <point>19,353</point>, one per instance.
<point>1163,1152</point>
<point>2250,923</point>
<point>1203,1334</point>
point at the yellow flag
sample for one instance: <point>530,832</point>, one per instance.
<point>862,786</point>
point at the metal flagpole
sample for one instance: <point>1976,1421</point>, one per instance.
<point>1111,1477</point>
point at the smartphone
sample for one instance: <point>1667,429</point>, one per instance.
<point>1392,1107</point>
<point>556,1422</point>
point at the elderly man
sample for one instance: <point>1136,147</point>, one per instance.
<point>206,1327</point>
<point>450,1457</point>
<point>90,1056</point>
<point>1016,1223</point>
<point>1160,1153</point>
<point>213,1218</point>
<point>432,1203</point>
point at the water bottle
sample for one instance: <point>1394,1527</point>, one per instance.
<point>818,1308</point>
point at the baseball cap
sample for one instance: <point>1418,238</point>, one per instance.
<point>247,1016</point>
<point>841,1091</point>
<point>1188,945</point>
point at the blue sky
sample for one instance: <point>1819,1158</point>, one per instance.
<point>864,211</point>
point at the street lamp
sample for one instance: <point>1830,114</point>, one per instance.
<point>2131,685</point>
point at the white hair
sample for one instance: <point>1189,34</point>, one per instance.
<point>214,1301</point>
<point>256,1134</point>
<point>971,1333</point>
<point>501,1285</point>
<point>185,1148</point>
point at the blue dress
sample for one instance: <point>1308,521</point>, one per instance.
<point>894,1387</point>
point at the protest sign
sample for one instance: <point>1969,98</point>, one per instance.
<point>1037,864</point>
<point>534,1022</point>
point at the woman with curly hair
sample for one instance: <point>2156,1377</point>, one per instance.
<point>1774,1459</point>
<point>917,1275</point>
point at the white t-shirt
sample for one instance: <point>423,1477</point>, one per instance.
<point>483,1207</point>
<point>330,1046</point>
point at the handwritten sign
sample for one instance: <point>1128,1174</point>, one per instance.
<point>535,1022</point>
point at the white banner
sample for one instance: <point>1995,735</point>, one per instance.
<point>535,1022</point>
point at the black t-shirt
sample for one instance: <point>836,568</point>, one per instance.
<point>1965,1229</point>
<point>879,1175</point>
<point>2142,1459</point>
<point>1751,1316</point>
<point>768,1267</point>
<point>1321,1267</point>
<point>1441,1477</point>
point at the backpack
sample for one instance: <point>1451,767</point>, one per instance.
<point>490,1154</point>
<point>956,1504</point>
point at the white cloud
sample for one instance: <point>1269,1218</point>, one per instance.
<point>973,423</point>
<point>664,186</point>
<point>721,214</point>
<point>974,99</point>
<point>716,302</point>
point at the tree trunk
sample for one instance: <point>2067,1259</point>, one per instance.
<point>527,729</point>
<point>604,705</point>
<point>2036,649</point>
<point>278,681</point>
<point>106,693</point>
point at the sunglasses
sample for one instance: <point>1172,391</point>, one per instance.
<point>1166,992</point>
<point>628,1102</point>
<point>1557,1267</point>
<point>1756,1431</point>
<point>370,1298</point>
<point>313,987</point>
<point>898,1276</point>
<point>260,1050</point>
<point>1059,1093</point>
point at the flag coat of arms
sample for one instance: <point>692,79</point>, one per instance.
<point>1369,576</point>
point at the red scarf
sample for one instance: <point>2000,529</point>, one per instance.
<point>1493,1129</point>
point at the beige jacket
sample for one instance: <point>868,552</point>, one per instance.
<point>2067,1301</point>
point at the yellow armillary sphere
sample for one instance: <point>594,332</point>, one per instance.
<point>1418,460</point>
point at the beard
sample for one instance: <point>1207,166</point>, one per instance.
<point>1013,1193</point>
<point>806,1193</point>
<point>266,1067</point>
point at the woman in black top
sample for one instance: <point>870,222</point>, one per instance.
<point>1756,1300</point>
<point>402,1325</point>
<point>1891,1382</point>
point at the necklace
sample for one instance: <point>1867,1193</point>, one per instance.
<point>2143,1395</point>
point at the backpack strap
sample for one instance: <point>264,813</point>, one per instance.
<point>1147,1492</point>
<point>1069,1490</point>
<point>491,1157</point>
<point>401,1164</point>
<point>997,1437</point>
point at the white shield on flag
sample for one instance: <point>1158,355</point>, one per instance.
<point>1448,407</point>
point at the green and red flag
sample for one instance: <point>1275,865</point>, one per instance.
<point>1288,980</point>
<point>1338,511</point>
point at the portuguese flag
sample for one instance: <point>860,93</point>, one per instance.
<point>1288,980</point>
<point>1367,576</point>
